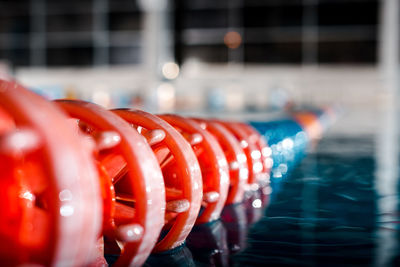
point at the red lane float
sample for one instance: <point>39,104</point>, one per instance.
<point>237,161</point>
<point>256,138</point>
<point>183,186</point>
<point>49,192</point>
<point>6,121</point>
<point>131,181</point>
<point>213,165</point>
<point>253,154</point>
<point>136,214</point>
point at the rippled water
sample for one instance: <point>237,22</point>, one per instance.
<point>324,213</point>
<point>330,210</point>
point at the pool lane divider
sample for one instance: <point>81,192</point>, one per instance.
<point>142,183</point>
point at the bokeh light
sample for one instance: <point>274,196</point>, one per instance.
<point>232,39</point>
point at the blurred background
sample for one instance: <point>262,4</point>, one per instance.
<point>203,56</point>
<point>244,59</point>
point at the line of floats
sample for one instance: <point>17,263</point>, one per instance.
<point>80,183</point>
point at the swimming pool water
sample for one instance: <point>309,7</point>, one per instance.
<point>324,213</point>
<point>329,211</point>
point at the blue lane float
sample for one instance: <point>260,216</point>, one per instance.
<point>290,136</point>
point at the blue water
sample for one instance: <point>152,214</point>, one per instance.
<point>325,212</point>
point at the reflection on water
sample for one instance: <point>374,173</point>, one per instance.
<point>178,257</point>
<point>208,243</point>
<point>213,244</point>
<point>324,213</point>
<point>339,206</point>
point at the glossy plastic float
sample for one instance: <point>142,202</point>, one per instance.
<point>257,170</point>
<point>236,157</point>
<point>213,165</point>
<point>80,182</point>
<point>50,200</point>
<point>181,173</point>
<point>134,193</point>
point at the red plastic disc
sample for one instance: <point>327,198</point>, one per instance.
<point>253,153</point>
<point>128,161</point>
<point>256,138</point>
<point>183,185</point>
<point>50,201</point>
<point>236,157</point>
<point>213,165</point>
